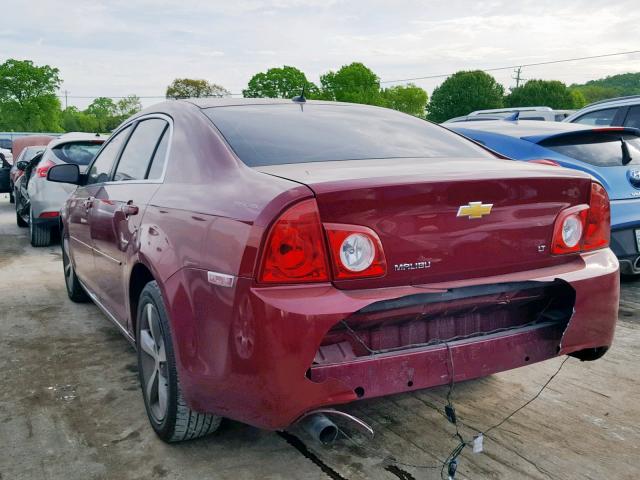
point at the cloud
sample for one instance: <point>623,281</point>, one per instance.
<point>119,47</point>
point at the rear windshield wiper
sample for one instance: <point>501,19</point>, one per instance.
<point>626,155</point>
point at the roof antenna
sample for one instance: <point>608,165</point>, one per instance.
<point>513,117</point>
<point>300,98</point>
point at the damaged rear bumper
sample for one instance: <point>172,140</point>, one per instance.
<point>265,356</point>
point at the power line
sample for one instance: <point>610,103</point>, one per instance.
<point>426,77</point>
<point>511,67</point>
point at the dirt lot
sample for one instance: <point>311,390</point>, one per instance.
<point>70,406</point>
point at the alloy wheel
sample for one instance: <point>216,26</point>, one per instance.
<point>153,358</point>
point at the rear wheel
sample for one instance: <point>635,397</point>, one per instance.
<point>12,199</point>
<point>20,221</point>
<point>168,413</point>
<point>75,291</point>
<point>40,234</point>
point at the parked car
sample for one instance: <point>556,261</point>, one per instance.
<point>525,113</point>
<point>38,202</point>
<point>7,155</point>
<point>597,151</point>
<point>31,143</point>
<point>270,258</point>
<point>621,111</point>
<point>5,167</point>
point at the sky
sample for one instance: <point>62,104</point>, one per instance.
<point>117,48</point>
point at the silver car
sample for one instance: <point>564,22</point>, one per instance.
<point>613,112</point>
<point>38,202</point>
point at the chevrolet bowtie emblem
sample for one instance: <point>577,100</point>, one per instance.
<point>475,210</point>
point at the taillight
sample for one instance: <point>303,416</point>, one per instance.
<point>294,251</point>
<point>545,161</point>
<point>598,227</point>
<point>49,214</point>
<point>583,227</point>
<point>356,251</point>
<point>43,168</point>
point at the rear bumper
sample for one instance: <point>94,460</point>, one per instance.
<point>247,352</point>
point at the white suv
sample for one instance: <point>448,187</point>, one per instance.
<point>619,112</point>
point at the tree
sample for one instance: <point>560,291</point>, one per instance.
<point>74,120</point>
<point>408,98</point>
<point>595,93</point>
<point>464,92</point>
<point>354,83</point>
<point>128,106</point>
<point>285,82</point>
<point>105,112</point>
<point>28,98</point>
<point>549,93</point>
<point>192,88</point>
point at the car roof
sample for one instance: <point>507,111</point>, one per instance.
<point>521,128</point>
<point>511,110</point>
<point>232,102</point>
<point>75,137</point>
<point>628,100</point>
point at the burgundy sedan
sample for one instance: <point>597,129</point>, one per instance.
<point>272,257</point>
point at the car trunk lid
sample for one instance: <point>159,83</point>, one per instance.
<point>444,219</point>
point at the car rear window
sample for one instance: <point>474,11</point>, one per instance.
<point>80,153</point>
<point>601,150</point>
<point>293,133</point>
<point>31,152</point>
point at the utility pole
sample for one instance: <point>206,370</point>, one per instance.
<point>66,92</point>
<point>517,78</point>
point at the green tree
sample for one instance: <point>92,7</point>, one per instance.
<point>28,98</point>
<point>549,93</point>
<point>128,106</point>
<point>193,88</point>
<point>595,93</point>
<point>74,120</point>
<point>579,99</point>
<point>354,83</point>
<point>408,98</point>
<point>105,111</point>
<point>285,82</point>
<point>464,92</point>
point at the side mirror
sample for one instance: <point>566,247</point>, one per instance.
<point>22,165</point>
<point>65,173</point>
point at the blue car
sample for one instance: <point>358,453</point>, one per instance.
<point>611,155</point>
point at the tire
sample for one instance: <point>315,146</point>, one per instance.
<point>171,418</point>
<point>12,199</point>
<point>75,291</point>
<point>20,221</point>
<point>40,235</point>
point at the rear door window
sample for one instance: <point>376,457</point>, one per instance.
<point>140,148</point>
<point>159,157</point>
<point>601,149</point>
<point>633,117</point>
<point>80,153</point>
<point>599,117</point>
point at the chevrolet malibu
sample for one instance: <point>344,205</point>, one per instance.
<point>270,258</point>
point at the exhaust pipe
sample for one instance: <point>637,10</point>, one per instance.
<point>320,428</point>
